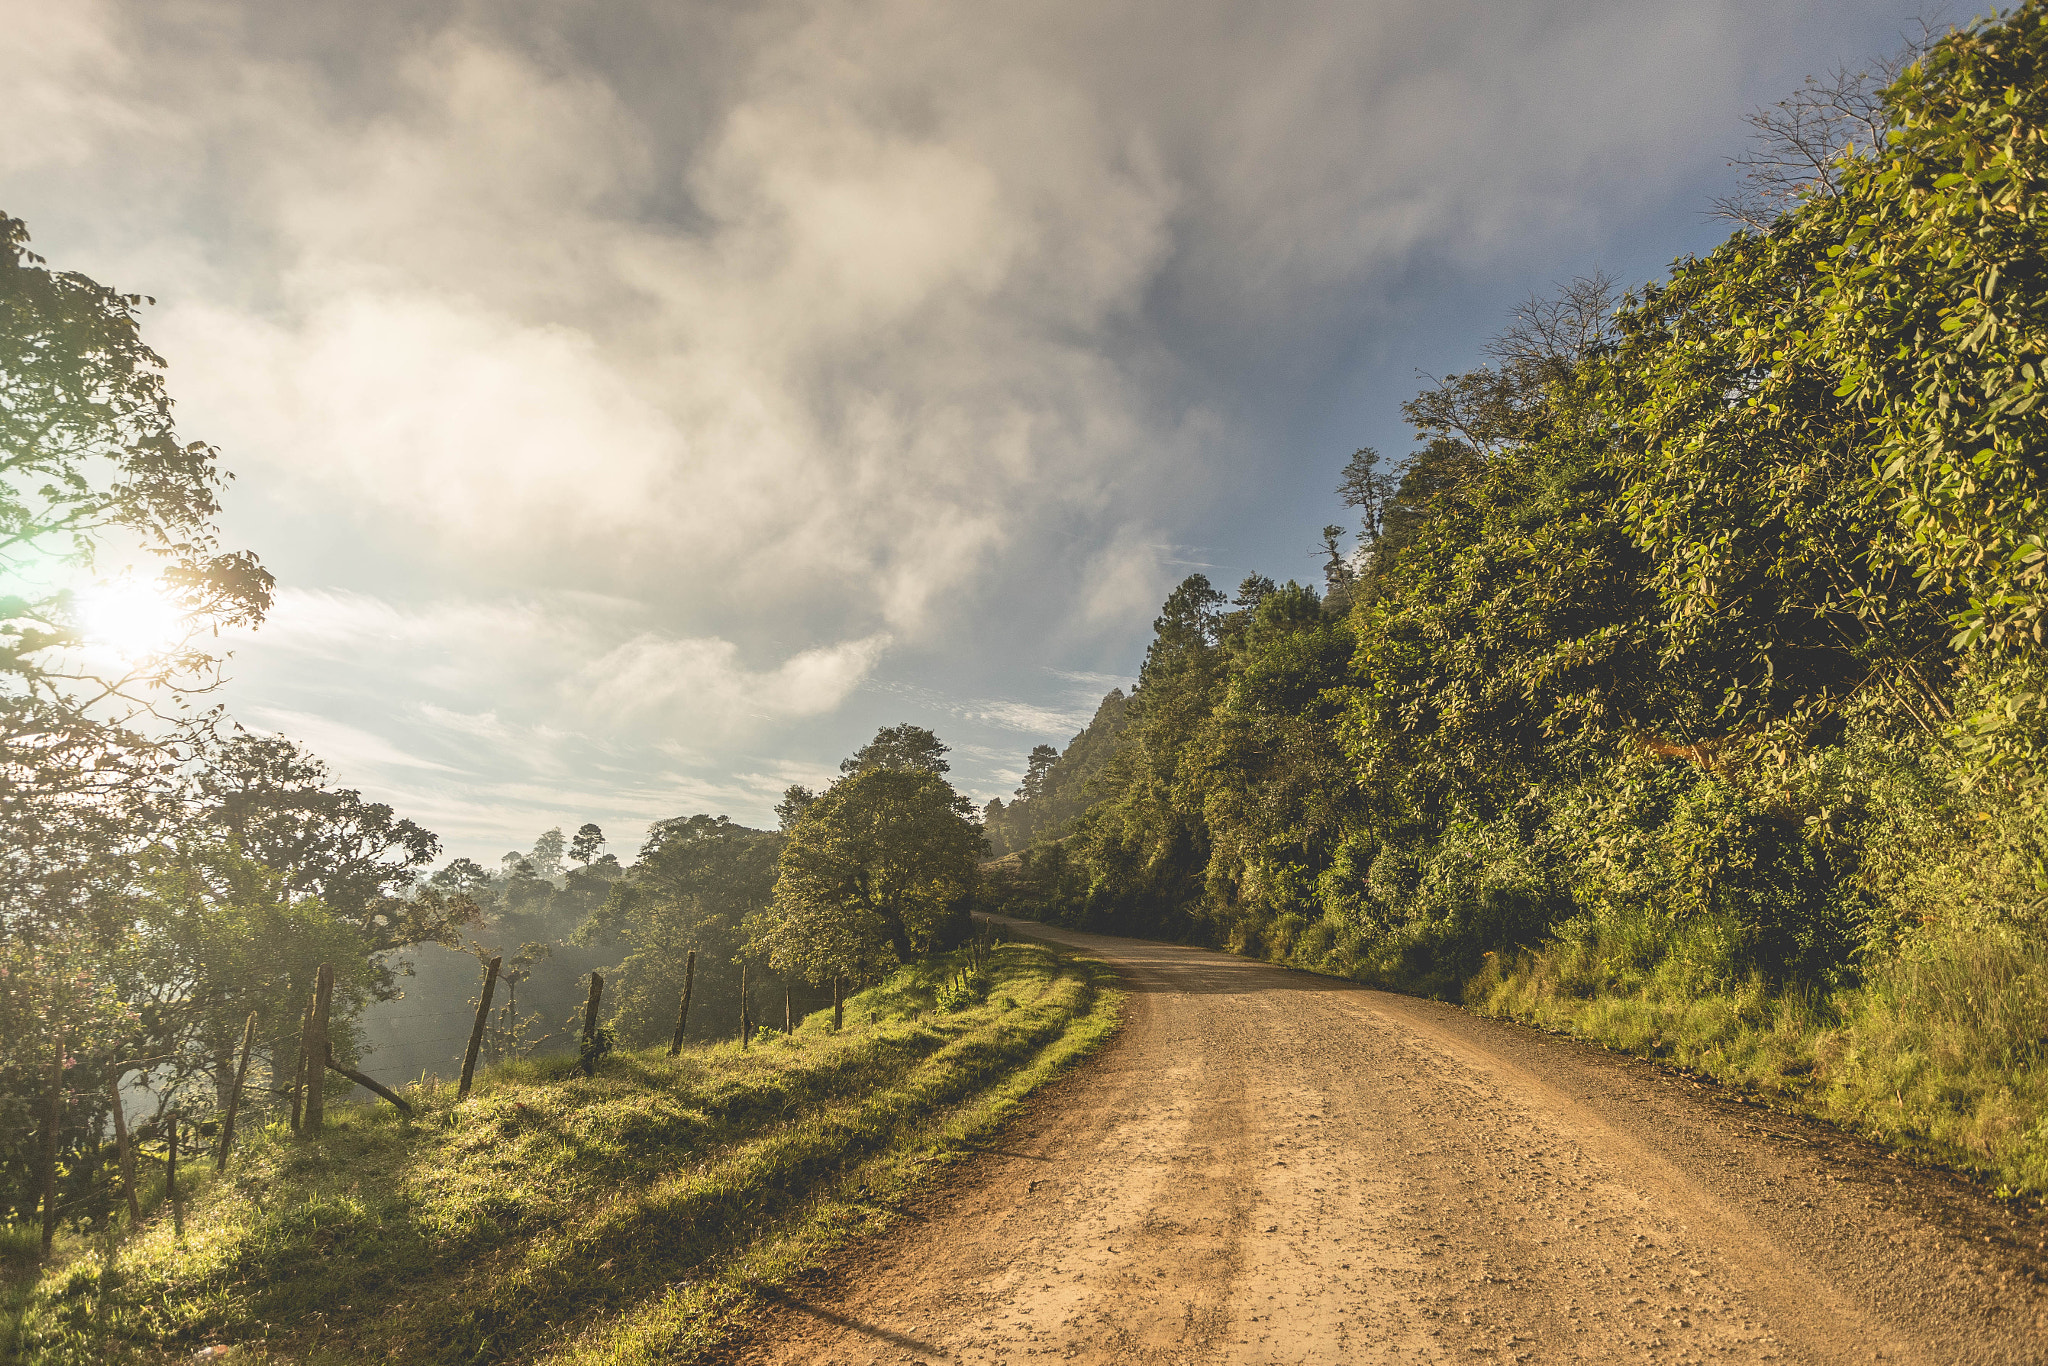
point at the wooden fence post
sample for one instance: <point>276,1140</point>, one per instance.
<point>227,1123</point>
<point>838,1001</point>
<point>590,1021</point>
<point>53,1121</point>
<point>369,1083</point>
<point>299,1068</point>
<point>476,1031</point>
<point>675,1045</point>
<point>746,1025</point>
<point>125,1153</point>
<point>317,1050</point>
<point>788,1016</point>
<point>171,1178</point>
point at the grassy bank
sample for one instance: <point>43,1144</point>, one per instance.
<point>1940,1049</point>
<point>551,1217</point>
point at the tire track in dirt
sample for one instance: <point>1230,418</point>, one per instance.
<point>1271,1167</point>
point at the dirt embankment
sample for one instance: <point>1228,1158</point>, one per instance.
<point>1271,1167</point>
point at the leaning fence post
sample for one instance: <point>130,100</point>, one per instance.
<point>746,1025</point>
<point>126,1153</point>
<point>590,1022</point>
<point>838,1001</point>
<point>53,1120</point>
<point>476,1031</point>
<point>675,1045</point>
<point>317,1049</point>
<point>371,1084</point>
<point>227,1123</point>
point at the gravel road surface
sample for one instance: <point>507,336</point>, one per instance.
<point>1272,1167</point>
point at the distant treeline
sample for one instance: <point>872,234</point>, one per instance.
<point>1055,788</point>
<point>1686,686</point>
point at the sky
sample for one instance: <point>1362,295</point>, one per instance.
<point>640,403</point>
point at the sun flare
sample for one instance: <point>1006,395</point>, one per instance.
<point>131,617</point>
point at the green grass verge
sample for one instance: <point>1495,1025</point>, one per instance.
<point>1941,1052</point>
<point>630,1217</point>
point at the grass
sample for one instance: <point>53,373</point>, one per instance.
<point>1942,1050</point>
<point>629,1217</point>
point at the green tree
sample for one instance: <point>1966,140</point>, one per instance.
<point>1933,312</point>
<point>269,798</point>
<point>696,881</point>
<point>883,862</point>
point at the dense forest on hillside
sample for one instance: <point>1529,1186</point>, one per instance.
<point>1056,783</point>
<point>1685,687</point>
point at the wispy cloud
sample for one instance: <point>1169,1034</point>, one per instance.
<point>344,746</point>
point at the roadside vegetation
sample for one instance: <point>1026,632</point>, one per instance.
<point>1685,688</point>
<point>633,1215</point>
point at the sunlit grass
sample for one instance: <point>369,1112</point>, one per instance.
<point>619,1217</point>
<point>1943,1048</point>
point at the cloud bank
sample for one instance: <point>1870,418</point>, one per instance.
<point>673,377</point>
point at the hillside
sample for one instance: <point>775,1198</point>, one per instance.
<point>633,1215</point>
<point>1686,687</point>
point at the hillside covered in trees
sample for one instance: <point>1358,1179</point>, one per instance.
<point>1685,687</point>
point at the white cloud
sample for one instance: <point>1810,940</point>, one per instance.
<point>705,679</point>
<point>1028,718</point>
<point>1127,579</point>
<point>662,373</point>
<point>578,662</point>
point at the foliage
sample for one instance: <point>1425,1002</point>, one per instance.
<point>697,880</point>
<point>1685,685</point>
<point>1934,313</point>
<point>1054,792</point>
<point>163,876</point>
<point>881,863</point>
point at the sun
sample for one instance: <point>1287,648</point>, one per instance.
<point>131,617</point>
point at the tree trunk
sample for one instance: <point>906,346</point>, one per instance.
<point>317,1048</point>
<point>899,934</point>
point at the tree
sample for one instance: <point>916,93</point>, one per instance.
<point>93,464</point>
<point>92,473</point>
<point>1367,489</point>
<point>461,875</point>
<point>1337,567</point>
<point>796,799</point>
<point>270,798</point>
<point>883,862</point>
<point>589,842</point>
<point>1064,788</point>
<point>1036,766</point>
<point>92,470</point>
<point>906,747</point>
<point>697,880</point>
<point>1932,311</point>
<point>545,861</point>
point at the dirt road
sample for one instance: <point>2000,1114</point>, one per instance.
<point>1272,1167</point>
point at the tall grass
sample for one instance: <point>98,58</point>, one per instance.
<point>1941,1047</point>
